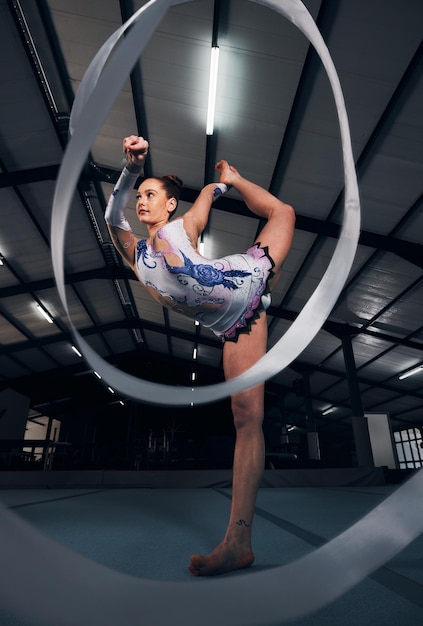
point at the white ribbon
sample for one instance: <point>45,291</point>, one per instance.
<point>53,585</point>
<point>83,592</point>
<point>98,90</point>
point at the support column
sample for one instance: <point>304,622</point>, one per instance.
<point>312,435</point>
<point>359,421</point>
<point>47,451</point>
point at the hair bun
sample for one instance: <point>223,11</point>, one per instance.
<point>172,178</point>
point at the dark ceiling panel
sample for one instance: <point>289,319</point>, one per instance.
<point>276,123</point>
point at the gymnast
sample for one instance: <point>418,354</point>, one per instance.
<point>228,295</point>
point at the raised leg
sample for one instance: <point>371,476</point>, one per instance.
<point>278,232</point>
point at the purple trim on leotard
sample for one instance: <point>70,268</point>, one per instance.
<point>255,307</point>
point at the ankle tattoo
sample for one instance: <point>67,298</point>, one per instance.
<point>242,522</point>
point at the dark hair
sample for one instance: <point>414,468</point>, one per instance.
<point>172,186</point>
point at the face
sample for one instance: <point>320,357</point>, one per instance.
<point>153,207</point>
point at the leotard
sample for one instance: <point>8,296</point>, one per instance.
<point>225,294</point>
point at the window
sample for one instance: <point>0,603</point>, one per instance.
<point>409,444</point>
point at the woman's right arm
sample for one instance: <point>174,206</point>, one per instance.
<point>123,239</point>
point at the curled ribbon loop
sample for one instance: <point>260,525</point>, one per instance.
<point>98,90</point>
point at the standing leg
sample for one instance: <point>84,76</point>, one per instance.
<point>235,551</point>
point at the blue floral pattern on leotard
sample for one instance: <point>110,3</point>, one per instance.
<point>145,255</point>
<point>207,275</point>
<point>224,294</point>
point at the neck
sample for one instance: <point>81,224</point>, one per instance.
<point>152,230</point>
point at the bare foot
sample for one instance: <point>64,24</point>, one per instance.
<point>228,174</point>
<point>224,558</point>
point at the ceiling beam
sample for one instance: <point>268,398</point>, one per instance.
<point>123,273</point>
<point>25,177</point>
<point>312,65</point>
<point>127,9</point>
<point>408,250</point>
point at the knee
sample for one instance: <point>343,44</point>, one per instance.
<point>286,214</point>
<point>246,416</point>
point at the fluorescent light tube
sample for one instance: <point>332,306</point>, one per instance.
<point>329,409</point>
<point>414,370</point>
<point>45,314</point>
<point>214,65</point>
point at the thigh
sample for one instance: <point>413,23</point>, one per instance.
<point>277,236</point>
<point>239,356</point>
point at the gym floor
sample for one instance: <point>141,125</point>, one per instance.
<point>151,533</point>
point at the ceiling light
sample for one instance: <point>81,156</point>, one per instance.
<point>414,370</point>
<point>138,336</point>
<point>45,314</point>
<point>1,259</point>
<point>193,376</point>
<point>214,64</point>
<point>97,374</point>
<point>194,353</point>
<point>328,410</point>
<point>110,389</point>
<point>77,352</point>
